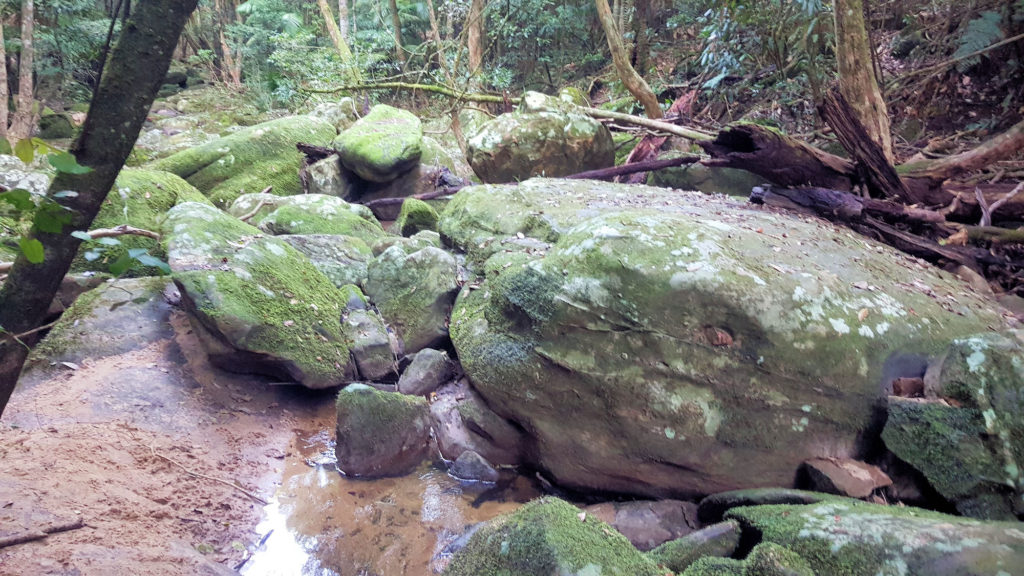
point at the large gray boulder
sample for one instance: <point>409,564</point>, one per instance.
<point>669,344</point>
<point>544,137</point>
<point>382,145</point>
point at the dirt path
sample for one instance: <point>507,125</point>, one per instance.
<point>110,443</point>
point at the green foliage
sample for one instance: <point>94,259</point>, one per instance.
<point>979,34</point>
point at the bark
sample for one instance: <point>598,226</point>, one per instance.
<point>351,71</point>
<point>343,20</point>
<point>5,110</point>
<point>475,35</point>
<point>435,33</point>
<point>641,44</point>
<point>1003,146</point>
<point>24,117</point>
<point>857,81</point>
<point>134,74</point>
<point>396,23</point>
<point>620,57</point>
<point>231,60</point>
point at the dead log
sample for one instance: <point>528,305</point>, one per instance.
<point>649,166</point>
<point>936,172</point>
<point>778,158</point>
<point>870,162</point>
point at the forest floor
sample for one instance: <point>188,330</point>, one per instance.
<point>142,448</point>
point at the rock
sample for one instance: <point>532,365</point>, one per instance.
<point>380,433</point>
<point>177,77</point>
<point>718,541</point>
<point>714,507</point>
<point>842,536</point>
<point>648,524</point>
<point>414,291</point>
<point>418,241</point>
<point>328,177</point>
<point>139,198</point>
<point>667,344</point>
<point>770,559</point>
<point>249,160</point>
<point>429,369</point>
<point>15,174</point>
<point>472,466</point>
<point>706,179</point>
<point>56,126</point>
<point>416,216</point>
<point>844,477</point>
<point>319,214</point>
<point>544,137</point>
<point>341,114</point>
<point>371,344</point>
<point>712,566</point>
<point>257,302</point>
<point>471,120</point>
<point>342,259</point>
<point>462,422</point>
<point>573,95</point>
<point>964,437</point>
<point>381,146</point>
<point>549,536</point>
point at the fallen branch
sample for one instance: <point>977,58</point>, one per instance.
<point>660,125</point>
<point>987,210</point>
<point>259,205</point>
<point>34,535</point>
<point>648,166</point>
<point>152,449</point>
<point>433,88</point>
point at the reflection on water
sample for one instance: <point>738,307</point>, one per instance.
<point>322,523</point>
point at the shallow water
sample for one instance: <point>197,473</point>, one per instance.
<point>322,523</point>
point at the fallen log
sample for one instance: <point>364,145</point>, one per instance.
<point>846,207</point>
<point>33,535</point>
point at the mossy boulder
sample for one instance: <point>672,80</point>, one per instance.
<point>320,214</point>
<point>371,346</point>
<point>543,137</point>
<point>249,160</point>
<point>16,174</point>
<point>718,541</point>
<point>56,126</point>
<point>969,445</point>
<point>548,537</point>
<point>414,291</point>
<point>380,433</point>
<point>707,179</point>
<point>140,198</point>
<point>258,304</point>
<point>382,145</point>
<point>416,216</point>
<point>672,345</point>
<point>841,537</point>
<point>342,259</point>
<point>341,114</point>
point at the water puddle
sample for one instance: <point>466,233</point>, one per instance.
<point>321,523</point>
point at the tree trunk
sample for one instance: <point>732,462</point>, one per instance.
<point>641,44</point>
<point>134,74</point>
<point>435,33</point>
<point>857,81</point>
<point>5,110</point>
<point>633,81</point>
<point>396,23</point>
<point>351,72</point>
<point>343,20</point>
<point>475,35</point>
<point>24,117</point>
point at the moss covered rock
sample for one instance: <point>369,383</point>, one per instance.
<point>140,198</point>
<point>671,344</point>
<point>371,347</point>
<point>342,259</point>
<point>841,537</point>
<point>320,214</point>
<point>544,137</point>
<point>971,450</point>
<point>56,126</point>
<point>547,537</point>
<point>380,433</point>
<point>718,541</point>
<point>261,306</point>
<point>383,145</point>
<point>416,216</point>
<point>249,160</point>
<point>414,291</point>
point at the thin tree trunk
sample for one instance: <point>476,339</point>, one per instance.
<point>396,23</point>
<point>134,74</point>
<point>5,110</point>
<point>343,19</point>
<point>24,116</point>
<point>633,81</point>
<point>351,72</point>
<point>641,44</point>
<point>857,81</point>
<point>475,36</point>
<point>439,50</point>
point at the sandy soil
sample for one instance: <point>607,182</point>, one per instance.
<point>143,447</point>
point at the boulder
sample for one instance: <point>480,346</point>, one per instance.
<point>850,537</point>
<point>666,344</point>
<point>965,436</point>
<point>328,177</point>
<point>543,137</point>
<point>257,303</point>
<point>380,433</point>
<point>462,422</point>
<point>844,477</point>
<point>342,259</point>
<point>371,344</point>
<point>414,291</point>
<point>319,214</point>
<point>249,160</point>
<point>648,523</point>
<point>56,126</point>
<point>382,145</point>
<point>472,466</point>
<point>429,369</point>
<point>546,537</point>
<point>416,216</point>
<point>14,174</point>
<point>139,198</point>
<point>418,241</point>
<point>716,541</point>
<point>341,114</point>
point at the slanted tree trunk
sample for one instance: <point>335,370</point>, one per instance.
<point>5,110</point>
<point>633,81</point>
<point>25,116</point>
<point>351,72</point>
<point>396,23</point>
<point>134,74</point>
<point>475,35</point>
<point>857,81</point>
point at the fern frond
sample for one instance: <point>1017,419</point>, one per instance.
<point>980,33</point>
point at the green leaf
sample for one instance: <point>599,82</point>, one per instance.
<point>66,194</point>
<point>51,217</point>
<point>153,261</point>
<point>65,162</point>
<point>136,252</point>
<point>24,150</point>
<point>20,199</point>
<point>109,241</point>
<point>121,265</point>
<point>32,249</point>
<point>81,235</point>
<point>92,255</point>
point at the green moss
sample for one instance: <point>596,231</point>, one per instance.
<point>249,160</point>
<point>716,567</point>
<point>315,214</point>
<point>624,143</point>
<point>382,145</point>
<point>415,216</point>
<point>719,540</point>
<point>376,412</point>
<point>547,537</point>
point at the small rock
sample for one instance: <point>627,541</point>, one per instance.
<point>718,540</point>
<point>844,477</point>
<point>472,466</point>
<point>429,369</point>
<point>648,524</point>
